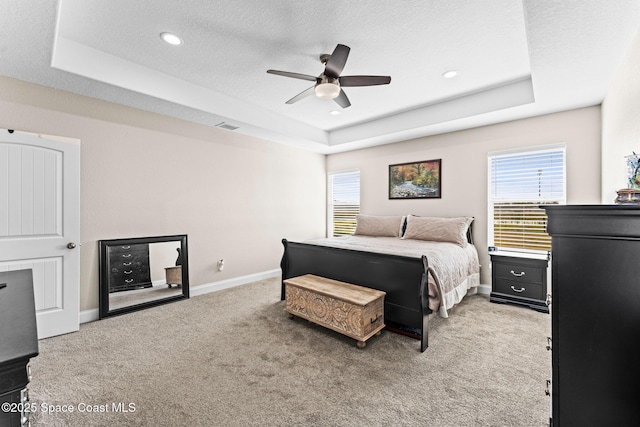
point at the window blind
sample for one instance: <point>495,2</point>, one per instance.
<point>344,202</point>
<point>518,184</point>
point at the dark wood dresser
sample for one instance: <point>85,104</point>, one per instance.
<point>519,280</point>
<point>595,315</point>
<point>129,267</point>
<point>18,344</point>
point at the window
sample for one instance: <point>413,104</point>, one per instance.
<point>519,182</point>
<point>344,203</point>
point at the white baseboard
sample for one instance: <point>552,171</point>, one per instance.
<point>89,315</point>
<point>230,283</point>
<point>484,289</point>
<point>93,314</point>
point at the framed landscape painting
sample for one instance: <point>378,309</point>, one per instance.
<point>417,180</point>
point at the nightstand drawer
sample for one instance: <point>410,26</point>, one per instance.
<point>519,289</point>
<point>519,273</point>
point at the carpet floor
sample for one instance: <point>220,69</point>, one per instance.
<point>234,358</point>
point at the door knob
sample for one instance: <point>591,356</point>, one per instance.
<point>71,245</point>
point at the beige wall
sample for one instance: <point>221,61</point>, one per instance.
<point>237,197</point>
<point>464,167</point>
<point>621,123</point>
<point>145,175</point>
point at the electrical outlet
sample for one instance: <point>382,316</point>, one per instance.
<point>221,265</point>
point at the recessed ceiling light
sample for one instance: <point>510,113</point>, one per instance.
<point>334,112</point>
<point>449,74</point>
<point>171,38</point>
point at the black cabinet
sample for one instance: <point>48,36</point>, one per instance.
<point>18,344</point>
<point>595,315</point>
<point>518,280</point>
<point>129,267</point>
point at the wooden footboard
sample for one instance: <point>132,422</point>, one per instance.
<point>404,279</point>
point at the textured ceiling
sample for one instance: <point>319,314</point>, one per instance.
<point>514,60</point>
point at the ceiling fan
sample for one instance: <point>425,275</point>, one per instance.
<point>329,84</point>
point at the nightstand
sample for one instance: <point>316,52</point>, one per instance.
<point>519,280</point>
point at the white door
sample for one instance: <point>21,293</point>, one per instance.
<point>40,223</point>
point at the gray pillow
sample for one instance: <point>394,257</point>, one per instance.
<point>453,230</point>
<point>378,226</point>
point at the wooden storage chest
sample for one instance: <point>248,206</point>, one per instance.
<point>173,275</point>
<point>351,310</point>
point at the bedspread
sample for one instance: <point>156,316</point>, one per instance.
<point>453,269</point>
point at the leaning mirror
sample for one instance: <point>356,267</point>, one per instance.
<point>142,272</point>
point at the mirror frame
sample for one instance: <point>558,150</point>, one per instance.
<point>104,310</point>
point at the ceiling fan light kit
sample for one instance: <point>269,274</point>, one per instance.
<point>328,90</point>
<point>328,84</point>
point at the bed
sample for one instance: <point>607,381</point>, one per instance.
<point>424,264</point>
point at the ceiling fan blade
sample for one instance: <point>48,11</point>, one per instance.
<point>301,95</point>
<point>336,62</point>
<point>351,81</point>
<point>293,75</point>
<point>342,100</point>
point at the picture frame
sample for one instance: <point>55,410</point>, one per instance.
<point>416,180</point>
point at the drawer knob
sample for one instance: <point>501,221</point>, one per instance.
<point>517,290</point>
<point>522,273</point>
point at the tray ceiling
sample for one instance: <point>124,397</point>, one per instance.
<point>513,60</point>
